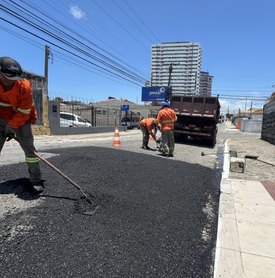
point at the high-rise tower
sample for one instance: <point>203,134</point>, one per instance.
<point>185,59</point>
<point>205,84</point>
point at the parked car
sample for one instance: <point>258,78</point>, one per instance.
<point>72,120</point>
<point>130,122</point>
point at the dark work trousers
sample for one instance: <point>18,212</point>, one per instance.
<point>26,141</point>
<point>168,141</point>
<point>145,136</point>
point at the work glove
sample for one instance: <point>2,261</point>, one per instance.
<point>9,132</point>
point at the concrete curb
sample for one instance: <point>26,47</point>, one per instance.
<point>225,175</point>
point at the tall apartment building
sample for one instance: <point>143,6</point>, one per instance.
<point>185,58</point>
<point>205,84</point>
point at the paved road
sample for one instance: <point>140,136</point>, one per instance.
<point>157,216</point>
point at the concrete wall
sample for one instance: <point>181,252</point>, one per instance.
<point>251,125</point>
<point>81,130</point>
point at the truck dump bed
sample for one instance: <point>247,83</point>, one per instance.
<point>196,106</point>
<point>197,116</point>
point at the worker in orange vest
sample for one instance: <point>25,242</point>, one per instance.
<point>17,113</point>
<point>147,126</point>
<point>166,118</point>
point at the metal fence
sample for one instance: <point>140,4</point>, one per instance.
<point>97,116</point>
<point>102,115</point>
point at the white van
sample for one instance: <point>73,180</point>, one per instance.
<point>130,122</point>
<point>72,120</point>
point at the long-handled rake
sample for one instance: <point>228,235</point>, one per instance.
<point>86,196</point>
<point>255,157</point>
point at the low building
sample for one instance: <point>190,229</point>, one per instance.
<point>40,97</point>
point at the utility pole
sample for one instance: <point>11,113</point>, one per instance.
<point>228,111</point>
<point>250,110</point>
<point>170,73</point>
<point>47,56</point>
<point>169,93</point>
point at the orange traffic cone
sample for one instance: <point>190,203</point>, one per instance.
<point>116,141</point>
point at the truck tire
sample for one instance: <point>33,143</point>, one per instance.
<point>212,141</point>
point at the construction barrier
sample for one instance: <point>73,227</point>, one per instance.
<point>116,141</point>
<point>239,125</point>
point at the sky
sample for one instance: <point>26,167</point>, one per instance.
<point>102,48</point>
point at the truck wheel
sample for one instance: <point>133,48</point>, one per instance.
<point>212,142</point>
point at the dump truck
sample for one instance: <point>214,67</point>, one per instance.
<point>197,117</point>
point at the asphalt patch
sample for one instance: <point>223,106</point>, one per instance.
<point>150,222</point>
<point>86,207</point>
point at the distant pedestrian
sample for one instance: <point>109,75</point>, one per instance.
<point>17,113</point>
<point>166,118</point>
<point>147,126</point>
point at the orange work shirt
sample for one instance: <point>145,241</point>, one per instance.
<point>167,117</point>
<point>16,104</point>
<point>148,124</point>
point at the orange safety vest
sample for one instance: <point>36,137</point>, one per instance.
<point>148,124</point>
<point>167,117</point>
<point>17,105</point>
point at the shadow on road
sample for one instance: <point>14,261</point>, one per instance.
<point>20,187</point>
<point>194,142</point>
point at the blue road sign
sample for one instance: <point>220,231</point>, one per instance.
<point>124,107</point>
<point>154,93</point>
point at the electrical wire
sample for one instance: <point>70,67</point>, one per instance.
<point>52,43</point>
<point>123,11</point>
<point>96,58</point>
<point>36,8</point>
<point>113,44</point>
<point>134,12</point>
<point>61,55</point>
<point>121,26</point>
<point>14,14</point>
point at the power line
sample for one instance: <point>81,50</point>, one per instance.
<point>34,7</point>
<point>132,21</point>
<point>244,99</point>
<point>38,27</point>
<point>246,96</point>
<point>134,12</point>
<point>114,46</point>
<point>121,26</point>
<point>240,90</point>
<point>109,63</point>
<point>82,58</point>
<point>68,59</point>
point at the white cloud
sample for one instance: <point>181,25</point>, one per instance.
<point>76,12</point>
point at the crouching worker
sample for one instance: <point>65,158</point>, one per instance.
<point>147,127</point>
<point>17,113</point>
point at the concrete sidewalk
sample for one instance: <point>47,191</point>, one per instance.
<point>246,226</point>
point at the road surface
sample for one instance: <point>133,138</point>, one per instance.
<point>157,215</point>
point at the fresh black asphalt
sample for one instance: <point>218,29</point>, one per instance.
<point>150,222</point>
